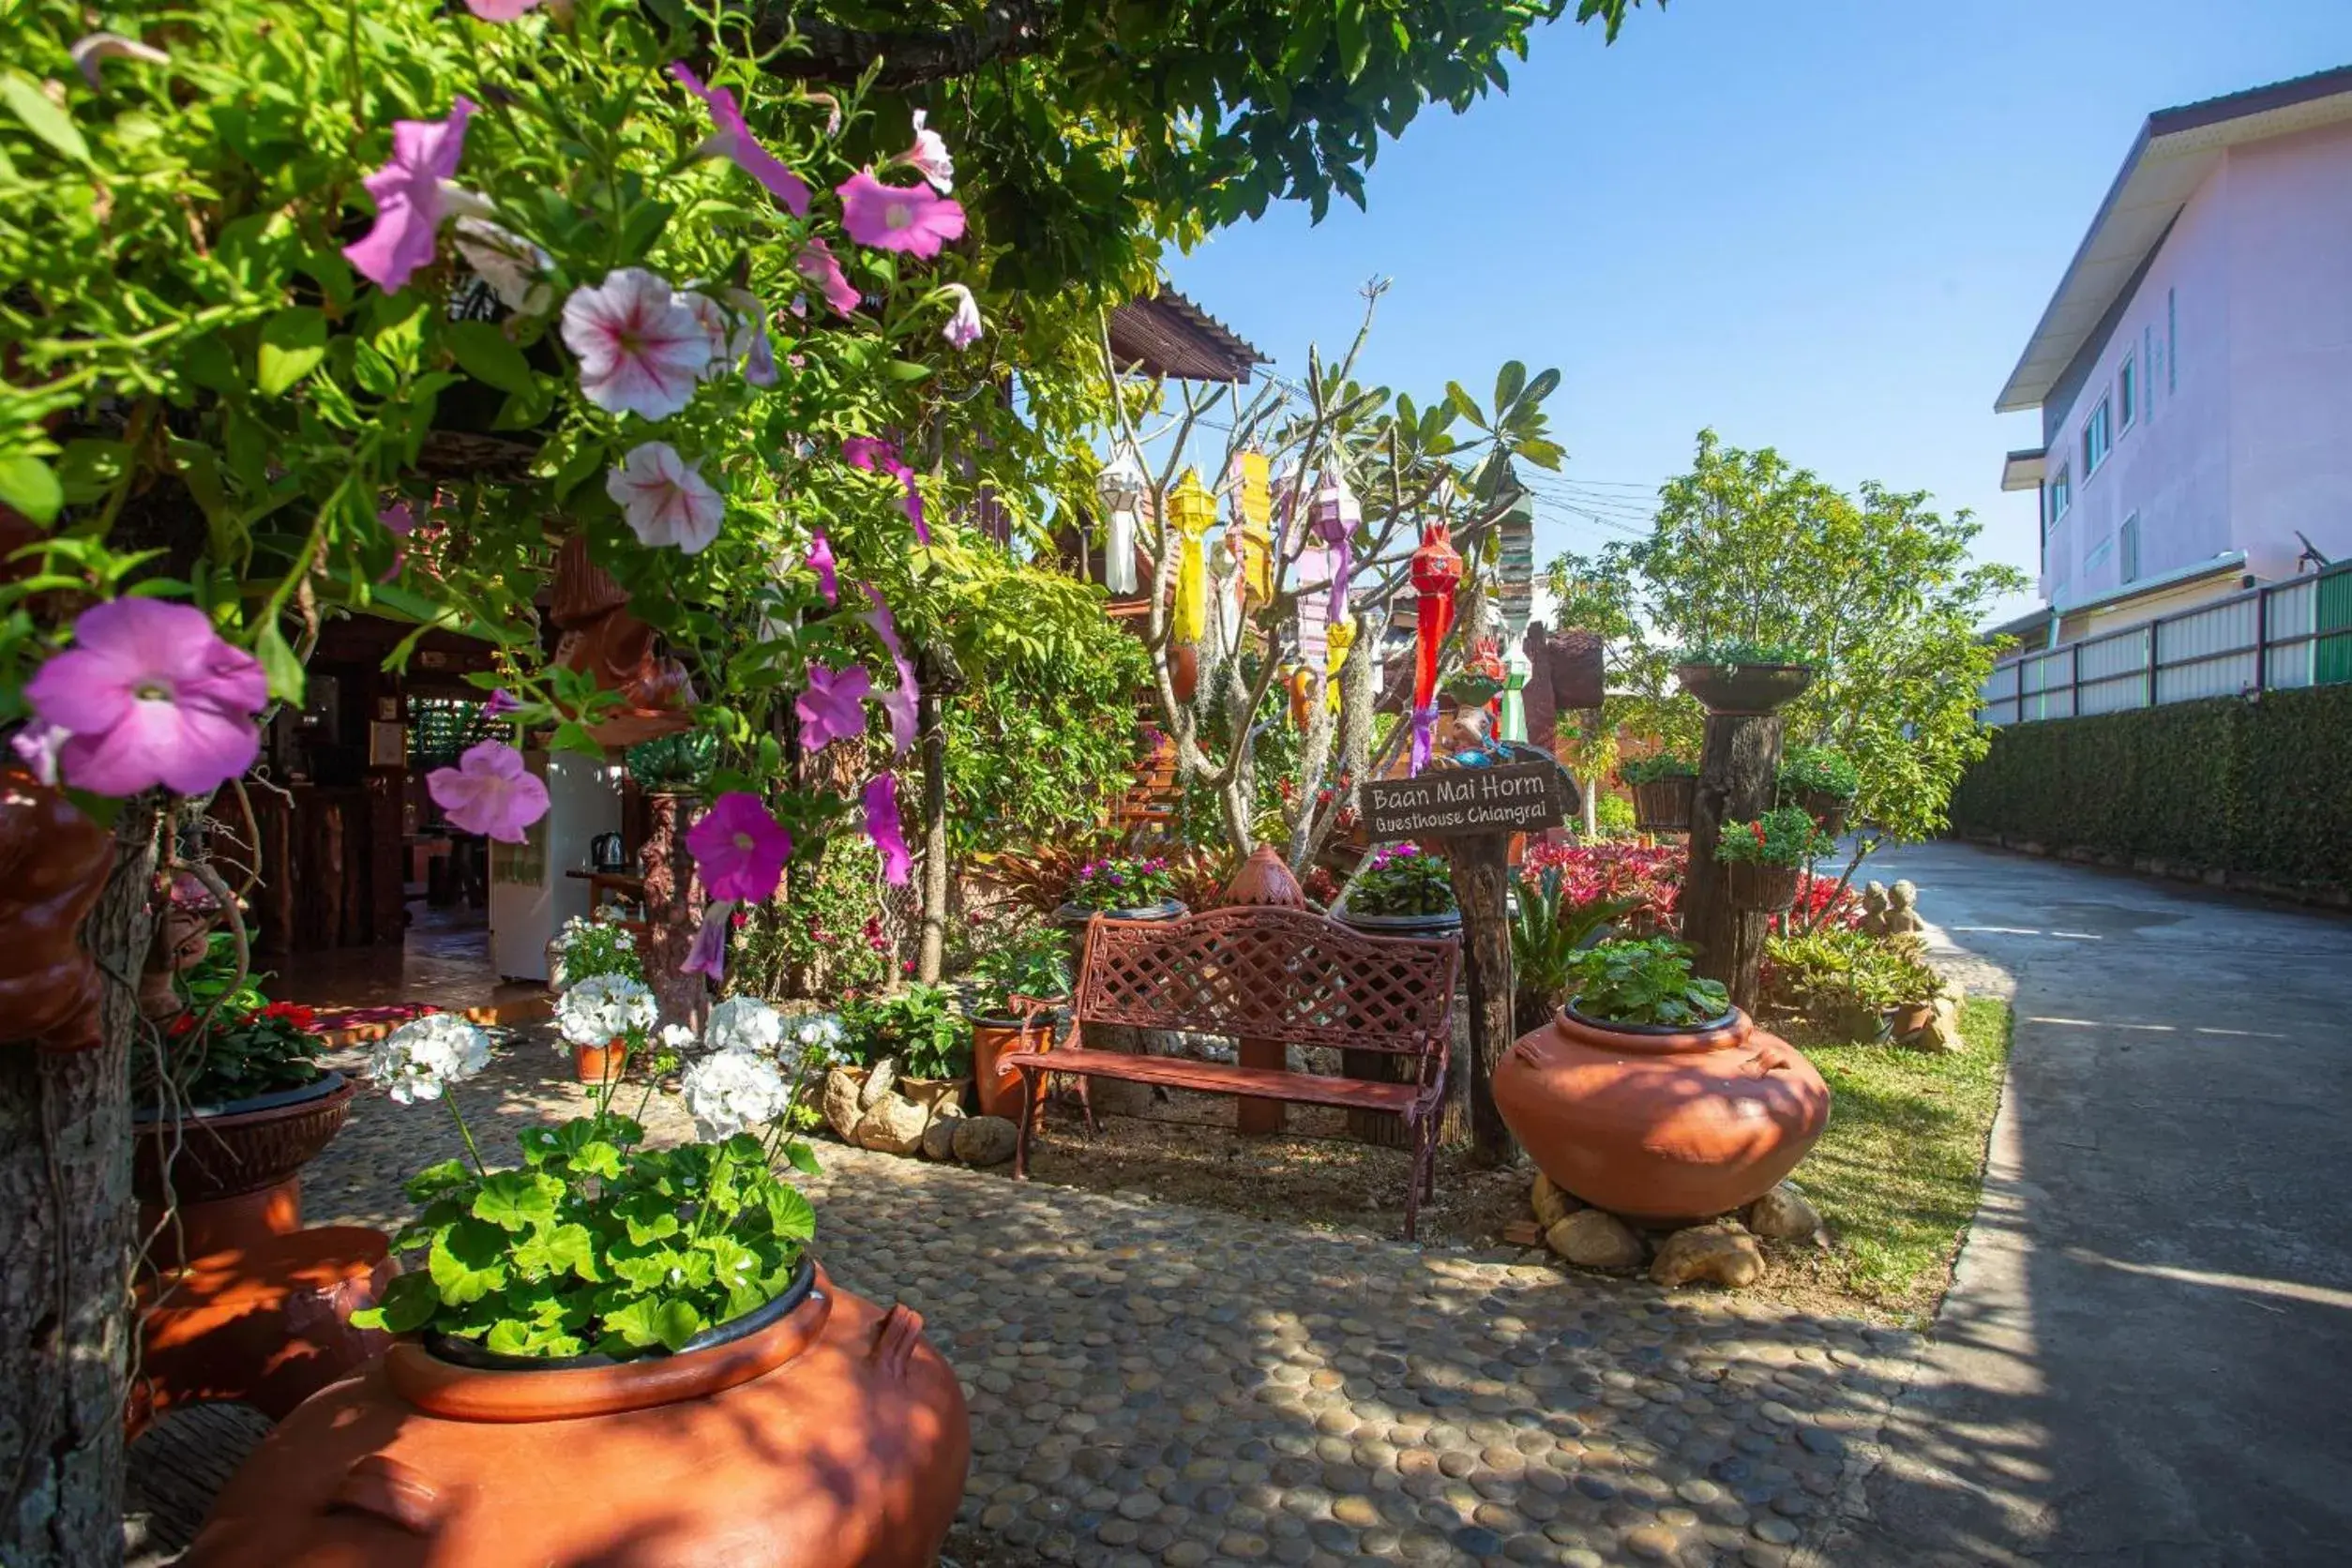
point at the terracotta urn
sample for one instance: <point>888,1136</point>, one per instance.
<point>594,1064</point>
<point>1656,1123</point>
<point>832,1437</point>
<point>232,1172</point>
<point>992,1039</point>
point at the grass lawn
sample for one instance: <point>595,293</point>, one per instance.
<point>1897,1173</point>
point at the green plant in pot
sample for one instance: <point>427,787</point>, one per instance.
<point>1862,986</point>
<point>590,945</point>
<point>1766,857</point>
<point>1547,930</point>
<point>1824,781</point>
<point>922,1027</point>
<point>1643,985</point>
<point>674,764</point>
<point>1119,883</point>
<point>1665,789</point>
<point>231,1043</point>
<point>1739,676</point>
<point>1402,888</point>
<point>1016,970</point>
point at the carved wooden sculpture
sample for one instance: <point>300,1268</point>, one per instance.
<point>603,640</point>
<point>53,865</point>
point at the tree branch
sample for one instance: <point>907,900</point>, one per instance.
<point>1004,30</point>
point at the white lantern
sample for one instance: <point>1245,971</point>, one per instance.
<point>1122,486</point>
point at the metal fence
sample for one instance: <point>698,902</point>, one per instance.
<point>2288,634</point>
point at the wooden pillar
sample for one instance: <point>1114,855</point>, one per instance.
<point>1481,881</point>
<point>936,678</point>
<point>1736,775</point>
<point>673,910</point>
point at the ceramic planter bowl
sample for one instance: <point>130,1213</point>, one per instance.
<point>1745,688</point>
<point>834,1437</point>
<point>236,1176</point>
<point>1664,804</point>
<point>1660,1123</point>
<point>1432,927</point>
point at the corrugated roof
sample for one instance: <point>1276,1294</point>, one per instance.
<point>1167,334</point>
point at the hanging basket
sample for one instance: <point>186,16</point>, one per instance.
<point>1663,804</point>
<point>1826,809</point>
<point>1756,886</point>
<point>1745,688</point>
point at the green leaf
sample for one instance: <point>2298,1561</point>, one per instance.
<point>803,1159</point>
<point>89,467</point>
<point>293,342</point>
<point>279,664</point>
<point>1509,382</point>
<point>599,1159</point>
<point>648,1218</point>
<point>468,1262</point>
<point>44,119</point>
<point>437,1179</point>
<point>486,354</point>
<point>675,1321</point>
<point>29,484</point>
<point>637,1323</point>
<point>792,1217</point>
<point>906,370</point>
<point>560,1249</point>
<point>1543,386</point>
<point>407,1304</point>
<point>517,1200</point>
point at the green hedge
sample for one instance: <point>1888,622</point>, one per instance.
<point>2260,786</point>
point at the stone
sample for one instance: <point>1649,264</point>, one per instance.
<point>880,1078</point>
<point>1941,1036</point>
<point>1709,1254</point>
<point>891,1126</point>
<point>1552,1205</point>
<point>1595,1240</point>
<point>842,1108</point>
<point>985,1140</point>
<point>939,1138</point>
<point>1784,1214</point>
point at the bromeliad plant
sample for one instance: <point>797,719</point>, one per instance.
<point>1549,929</point>
<point>597,1243</point>
<point>1786,835</point>
<point>1402,880</point>
<point>1647,983</point>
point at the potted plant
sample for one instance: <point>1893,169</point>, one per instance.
<point>605,1018</point>
<point>1766,857</point>
<point>1821,780</point>
<point>1124,887</point>
<point>654,1318</point>
<point>237,1105</point>
<point>1741,677</point>
<point>1014,980</point>
<point>1547,930</point>
<point>1861,985</point>
<point>1402,891</point>
<point>1665,789</point>
<point>1648,1095</point>
<point>924,1030</point>
<point>590,945</point>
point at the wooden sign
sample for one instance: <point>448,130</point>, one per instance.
<point>1443,803</point>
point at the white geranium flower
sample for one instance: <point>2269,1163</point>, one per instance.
<point>417,1060</point>
<point>677,1037</point>
<point>603,1008</point>
<point>731,1092</point>
<point>744,1024</point>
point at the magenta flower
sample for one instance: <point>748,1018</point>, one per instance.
<point>964,327</point>
<point>641,349</point>
<point>490,793</point>
<point>150,695</point>
<point>914,218</point>
<point>816,263</point>
<point>877,455</point>
<point>882,826</point>
<point>36,746</point>
<point>399,518</point>
<point>410,202</point>
<point>741,849</point>
<point>733,138</point>
<point>502,11</point>
<point>501,703</point>
<point>820,562</point>
<point>930,156</point>
<point>829,709</point>
<point>708,955</point>
<point>666,499</point>
<point>898,704</point>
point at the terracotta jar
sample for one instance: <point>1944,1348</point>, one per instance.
<point>1659,1125</point>
<point>832,1437</point>
<point>594,1064</point>
<point>1000,1088</point>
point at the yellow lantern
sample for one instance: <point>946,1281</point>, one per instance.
<point>1190,510</point>
<point>1253,510</point>
<point>1337,642</point>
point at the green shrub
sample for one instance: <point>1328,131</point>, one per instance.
<point>1819,770</point>
<point>1614,816</point>
<point>1649,770</point>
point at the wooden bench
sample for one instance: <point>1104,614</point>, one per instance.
<point>1270,979</point>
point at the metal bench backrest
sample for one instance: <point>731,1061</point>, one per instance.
<point>1281,974</point>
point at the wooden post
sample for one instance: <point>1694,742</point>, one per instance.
<point>937,677</point>
<point>1481,880</point>
<point>1736,777</point>
<point>673,910</point>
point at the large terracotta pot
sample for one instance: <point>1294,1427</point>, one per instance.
<point>1659,1125</point>
<point>1000,1088</point>
<point>833,1437</point>
<point>236,1174</point>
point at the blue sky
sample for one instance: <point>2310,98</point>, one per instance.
<point>1826,227</point>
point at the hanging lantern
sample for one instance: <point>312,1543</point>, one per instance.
<point>1436,572</point>
<point>1253,517</point>
<point>1122,486</point>
<point>1338,640</point>
<point>1335,515</point>
<point>1300,684</point>
<point>1190,510</point>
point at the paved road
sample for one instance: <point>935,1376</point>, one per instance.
<point>2147,1357</point>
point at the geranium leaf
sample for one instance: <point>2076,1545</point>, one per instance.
<point>517,1200</point>
<point>436,1179</point>
<point>790,1216</point>
<point>678,1320</point>
<point>468,1262</point>
<point>407,1304</point>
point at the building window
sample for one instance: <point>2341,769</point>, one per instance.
<point>2127,392</point>
<point>2058,494</point>
<point>2128,549</point>
<point>2172,341</point>
<point>2097,438</point>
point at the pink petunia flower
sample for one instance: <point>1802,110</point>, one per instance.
<point>733,138</point>
<point>877,455</point>
<point>502,11</point>
<point>409,201</point>
<point>89,52</point>
<point>399,518</point>
<point>816,263</point>
<point>829,710</point>
<point>490,793</point>
<point>740,847</point>
<point>820,562</point>
<point>501,703</point>
<point>898,704</point>
<point>914,218</point>
<point>666,499</point>
<point>964,327</point>
<point>641,349</point>
<point>151,695</point>
<point>708,955</point>
<point>882,826</point>
<point>930,156</point>
<point>36,746</point>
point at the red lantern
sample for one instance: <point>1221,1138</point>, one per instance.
<point>1437,571</point>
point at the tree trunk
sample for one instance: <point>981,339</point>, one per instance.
<point>933,951</point>
<point>1735,784</point>
<point>674,907</point>
<point>66,1230</point>
<point>1480,879</point>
